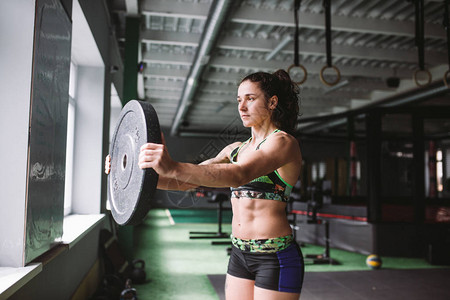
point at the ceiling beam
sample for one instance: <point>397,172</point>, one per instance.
<point>175,9</point>
<point>231,88</point>
<point>252,15</point>
<point>168,58</point>
<point>267,45</point>
<point>312,68</point>
<point>164,104</point>
<point>248,44</point>
<point>164,85</point>
<point>255,64</point>
<point>227,83</point>
<point>221,79</point>
<point>170,38</point>
<point>337,94</point>
<point>171,95</point>
<point>174,74</point>
<point>312,101</point>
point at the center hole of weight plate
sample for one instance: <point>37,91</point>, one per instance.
<point>124,161</point>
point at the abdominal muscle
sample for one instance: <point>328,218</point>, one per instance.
<point>259,218</point>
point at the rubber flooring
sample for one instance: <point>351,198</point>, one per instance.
<point>178,268</point>
<point>418,284</point>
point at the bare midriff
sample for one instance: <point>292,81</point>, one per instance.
<point>259,218</point>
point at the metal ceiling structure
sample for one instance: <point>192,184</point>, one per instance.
<point>196,51</point>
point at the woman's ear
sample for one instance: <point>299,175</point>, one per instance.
<point>273,102</point>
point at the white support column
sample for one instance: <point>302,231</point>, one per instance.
<point>16,51</point>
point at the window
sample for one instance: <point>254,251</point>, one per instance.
<point>70,141</point>
<point>439,171</point>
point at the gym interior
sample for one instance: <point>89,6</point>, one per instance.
<point>371,208</point>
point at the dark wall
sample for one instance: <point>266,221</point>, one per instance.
<point>195,150</point>
<point>313,150</point>
<point>61,276</point>
<point>317,150</point>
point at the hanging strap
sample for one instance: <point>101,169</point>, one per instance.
<point>327,7</point>
<point>296,44</point>
<point>296,39</point>
<point>446,24</point>
<point>420,42</point>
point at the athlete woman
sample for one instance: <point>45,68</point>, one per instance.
<point>265,261</point>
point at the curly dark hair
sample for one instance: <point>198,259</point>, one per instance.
<point>281,85</point>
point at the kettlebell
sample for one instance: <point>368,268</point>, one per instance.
<point>138,272</point>
<point>128,293</point>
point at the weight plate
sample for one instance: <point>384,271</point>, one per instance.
<point>130,188</point>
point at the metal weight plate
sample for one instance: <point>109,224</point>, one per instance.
<point>130,188</point>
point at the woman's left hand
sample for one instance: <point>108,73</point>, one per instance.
<point>157,157</point>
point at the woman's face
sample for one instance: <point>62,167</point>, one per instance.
<point>252,105</point>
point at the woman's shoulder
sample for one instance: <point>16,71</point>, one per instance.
<point>283,141</point>
<point>285,137</point>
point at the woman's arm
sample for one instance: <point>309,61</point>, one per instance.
<point>280,150</point>
<point>167,183</point>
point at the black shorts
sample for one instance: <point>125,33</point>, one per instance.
<point>280,271</point>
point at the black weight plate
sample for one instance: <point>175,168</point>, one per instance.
<point>130,188</point>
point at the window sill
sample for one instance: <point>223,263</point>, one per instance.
<point>75,228</point>
<point>12,279</point>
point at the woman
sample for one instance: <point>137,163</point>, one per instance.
<point>265,262</point>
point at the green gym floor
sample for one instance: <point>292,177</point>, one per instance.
<point>177,267</point>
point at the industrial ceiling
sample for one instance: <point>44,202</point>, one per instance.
<point>196,51</point>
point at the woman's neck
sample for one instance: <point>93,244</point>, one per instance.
<point>262,132</point>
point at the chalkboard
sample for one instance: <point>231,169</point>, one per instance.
<point>48,126</point>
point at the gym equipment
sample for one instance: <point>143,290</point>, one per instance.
<point>296,50</point>
<point>447,30</point>
<point>129,187</point>
<point>314,204</point>
<point>110,288</point>
<point>137,273</point>
<point>373,261</point>
<point>128,293</point>
<point>114,260</point>
<point>353,166</point>
<point>218,198</point>
<point>118,272</point>
<point>420,43</point>
<point>327,8</point>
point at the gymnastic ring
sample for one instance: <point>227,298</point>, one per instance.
<point>305,73</point>
<point>338,74</point>
<point>416,81</point>
<point>445,78</point>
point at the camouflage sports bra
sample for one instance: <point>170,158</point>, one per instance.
<point>270,186</point>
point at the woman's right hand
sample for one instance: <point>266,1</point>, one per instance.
<point>107,164</point>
